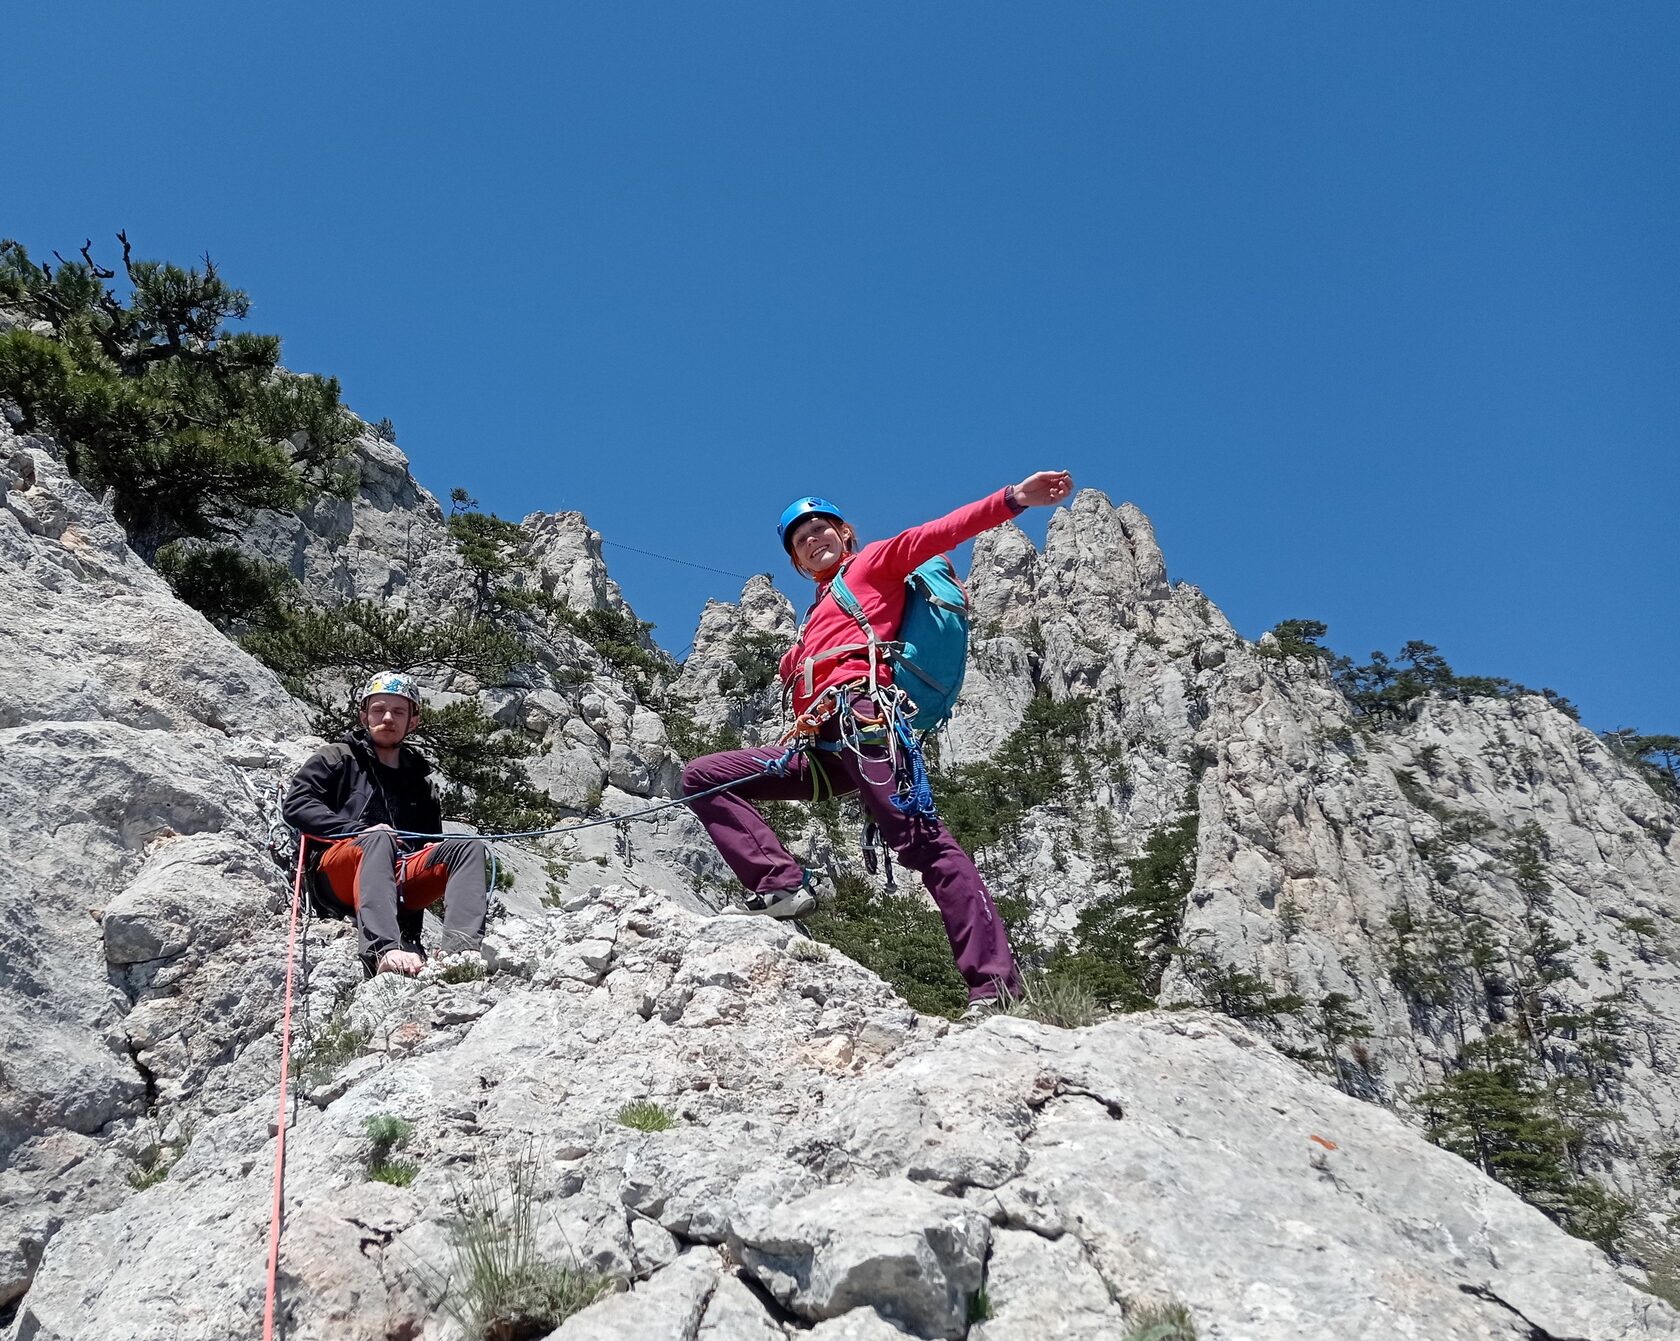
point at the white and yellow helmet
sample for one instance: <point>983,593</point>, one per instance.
<point>391,682</point>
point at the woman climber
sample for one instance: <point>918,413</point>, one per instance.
<point>850,724</point>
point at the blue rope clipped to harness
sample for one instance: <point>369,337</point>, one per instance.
<point>915,794</point>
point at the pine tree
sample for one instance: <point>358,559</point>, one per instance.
<point>191,427</point>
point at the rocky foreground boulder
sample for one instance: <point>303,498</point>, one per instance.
<point>838,1166</point>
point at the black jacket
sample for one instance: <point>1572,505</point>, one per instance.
<point>345,789</point>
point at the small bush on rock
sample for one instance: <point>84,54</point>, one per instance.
<point>190,427</point>
<point>1170,1322</point>
<point>1062,1000</point>
<point>498,1286</point>
<point>463,970</point>
<point>389,1133</point>
<point>645,1115</point>
<point>324,1056</point>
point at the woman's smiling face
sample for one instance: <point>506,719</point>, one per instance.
<point>818,544</point>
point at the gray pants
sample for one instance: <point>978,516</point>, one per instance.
<point>390,891</point>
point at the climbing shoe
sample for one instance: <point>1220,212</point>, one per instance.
<point>983,1009</point>
<point>799,901</point>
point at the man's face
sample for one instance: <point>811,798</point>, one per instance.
<point>389,718</point>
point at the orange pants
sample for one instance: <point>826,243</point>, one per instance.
<point>421,879</point>
<point>387,889</point>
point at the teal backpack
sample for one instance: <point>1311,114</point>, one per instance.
<point>932,641</point>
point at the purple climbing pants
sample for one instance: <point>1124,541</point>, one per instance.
<point>978,939</point>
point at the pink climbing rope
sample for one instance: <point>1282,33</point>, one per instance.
<point>280,1126</point>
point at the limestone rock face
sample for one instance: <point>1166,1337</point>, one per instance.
<point>93,634</point>
<point>728,681</point>
<point>135,743</point>
<point>388,541</point>
<point>567,554</point>
<point>1322,846</point>
<point>816,1122</point>
<point>837,1165</point>
<point>913,1256</point>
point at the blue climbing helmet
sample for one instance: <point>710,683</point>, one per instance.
<point>796,511</point>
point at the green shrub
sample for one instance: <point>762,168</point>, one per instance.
<point>324,655</point>
<point>691,740</point>
<point>755,659</point>
<point>985,803</point>
<point>191,427</point>
<point>1123,942</point>
<point>1385,686</point>
<point>1296,639</point>
<point>1497,1111</point>
<point>493,550</point>
<point>645,1115</point>
<point>234,592</point>
<point>483,763</point>
<point>498,1286</point>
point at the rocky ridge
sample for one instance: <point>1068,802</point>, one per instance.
<point>840,1164</point>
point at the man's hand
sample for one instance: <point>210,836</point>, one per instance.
<point>1046,486</point>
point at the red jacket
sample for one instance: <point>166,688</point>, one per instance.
<point>875,575</point>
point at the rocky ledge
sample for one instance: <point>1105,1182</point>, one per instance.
<point>837,1166</point>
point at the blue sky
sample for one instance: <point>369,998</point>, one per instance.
<point>1375,310</point>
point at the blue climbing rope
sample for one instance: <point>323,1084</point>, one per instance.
<point>914,797</point>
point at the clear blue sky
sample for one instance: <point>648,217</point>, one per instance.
<point>1375,310</point>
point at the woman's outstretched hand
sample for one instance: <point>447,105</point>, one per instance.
<point>1047,486</point>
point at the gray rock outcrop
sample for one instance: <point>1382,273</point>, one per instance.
<point>839,1166</point>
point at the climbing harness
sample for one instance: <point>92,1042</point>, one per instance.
<point>872,723</point>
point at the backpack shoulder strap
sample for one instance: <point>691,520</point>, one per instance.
<point>843,597</point>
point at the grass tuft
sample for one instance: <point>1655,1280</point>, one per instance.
<point>645,1115</point>
<point>338,1044</point>
<point>465,970</point>
<point>1166,1322</point>
<point>389,1133</point>
<point>152,1172</point>
<point>384,1130</point>
<point>809,952</point>
<point>498,1286</point>
<point>1060,1000</point>
<point>396,1172</point>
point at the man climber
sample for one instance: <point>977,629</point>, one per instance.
<point>351,799</point>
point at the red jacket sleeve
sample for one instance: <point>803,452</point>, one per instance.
<point>909,550</point>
